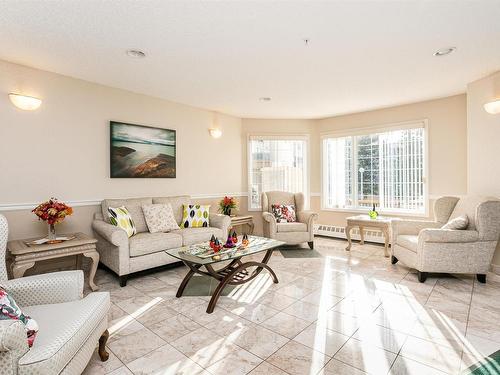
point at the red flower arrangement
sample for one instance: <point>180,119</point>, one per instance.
<point>226,204</point>
<point>52,211</point>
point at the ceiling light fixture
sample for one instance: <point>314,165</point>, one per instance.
<point>265,99</point>
<point>444,51</point>
<point>27,103</point>
<point>135,53</point>
<point>493,107</point>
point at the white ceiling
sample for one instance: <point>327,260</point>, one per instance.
<point>223,55</point>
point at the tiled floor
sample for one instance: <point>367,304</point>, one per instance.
<point>344,313</point>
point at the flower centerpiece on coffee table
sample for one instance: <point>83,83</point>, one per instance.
<point>53,212</point>
<point>227,204</point>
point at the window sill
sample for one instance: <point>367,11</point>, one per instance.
<point>382,212</point>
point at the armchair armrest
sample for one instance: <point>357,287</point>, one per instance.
<point>111,233</point>
<point>222,222</point>
<point>271,228</point>
<point>13,337</point>
<point>447,235</point>
<point>307,217</point>
<point>56,287</point>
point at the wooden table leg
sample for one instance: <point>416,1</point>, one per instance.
<point>386,242</point>
<point>362,235</point>
<point>348,235</point>
<point>18,270</point>
<point>94,255</point>
<point>251,226</point>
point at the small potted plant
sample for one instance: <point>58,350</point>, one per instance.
<point>53,212</point>
<point>227,204</point>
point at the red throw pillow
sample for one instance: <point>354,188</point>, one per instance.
<point>10,310</point>
<point>284,213</point>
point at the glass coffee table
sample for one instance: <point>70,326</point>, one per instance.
<point>201,260</point>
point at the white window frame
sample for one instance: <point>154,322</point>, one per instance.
<point>423,123</point>
<point>284,137</point>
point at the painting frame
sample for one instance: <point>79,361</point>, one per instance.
<point>155,173</point>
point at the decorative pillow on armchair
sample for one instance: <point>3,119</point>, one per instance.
<point>159,217</point>
<point>10,310</point>
<point>195,216</point>
<point>458,223</point>
<point>120,217</point>
<point>284,213</point>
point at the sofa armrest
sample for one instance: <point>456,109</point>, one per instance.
<point>307,217</point>
<point>111,233</point>
<point>413,227</point>
<point>222,222</point>
<point>48,288</point>
<point>13,337</point>
<point>447,235</point>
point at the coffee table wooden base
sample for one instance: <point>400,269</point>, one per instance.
<point>361,223</point>
<point>235,273</point>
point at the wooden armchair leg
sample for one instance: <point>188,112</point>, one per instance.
<point>311,244</point>
<point>103,354</point>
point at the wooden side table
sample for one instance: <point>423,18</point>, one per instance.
<point>362,221</point>
<point>24,256</point>
<point>243,220</point>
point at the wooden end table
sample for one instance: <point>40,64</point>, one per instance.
<point>243,220</point>
<point>24,256</point>
<point>362,221</point>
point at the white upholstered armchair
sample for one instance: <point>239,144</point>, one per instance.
<point>70,326</point>
<point>291,233</point>
<point>423,245</point>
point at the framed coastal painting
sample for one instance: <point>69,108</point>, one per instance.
<point>139,151</point>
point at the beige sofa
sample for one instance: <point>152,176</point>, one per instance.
<point>424,246</point>
<point>146,250</point>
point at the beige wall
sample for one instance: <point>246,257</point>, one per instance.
<point>483,141</point>
<point>62,149</point>
<point>447,121</point>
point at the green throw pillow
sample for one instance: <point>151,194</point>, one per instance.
<point>120,217</point>
<point>195,216</point>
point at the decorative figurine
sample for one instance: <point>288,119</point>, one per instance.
<point>234,237</point>
<point>229,243</point>
<point>244,241</point>
<point>217,246</point>
<point>212,241</point>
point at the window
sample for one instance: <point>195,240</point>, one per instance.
<point>276,163</point>
<point>384,167</point>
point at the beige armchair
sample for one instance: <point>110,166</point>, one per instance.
<point>70,326</point>
<point>291,233</point>
<point>423,245</point>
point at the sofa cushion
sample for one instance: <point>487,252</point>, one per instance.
<point>133,205</point>
<point>64,328</point>
<point>11,311</point>
<point>121,218</point>
<point>159,217</point>
<point>284,213</point>
<point>147,243</point>
<point>191,236</point>
<point>196,216</point>
<point>459,223</point>
<point>408,241</point>
<point>177,203</point>
<point>291,227</point>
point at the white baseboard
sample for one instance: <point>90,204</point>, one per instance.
<point>339,232</point>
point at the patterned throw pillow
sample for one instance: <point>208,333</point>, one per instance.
<point>10,310</point>
<point>195,216</point>
<point>284,213</point>
<point>458,223</point>
<point>120,217</point>
<point>159,217</point>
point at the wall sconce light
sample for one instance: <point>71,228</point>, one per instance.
<point>493,107</point>
<point>215,132</point>
<point>27,103</point>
